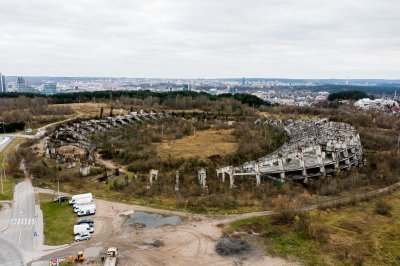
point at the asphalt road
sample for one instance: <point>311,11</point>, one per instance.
<point>5,140</point>
<point>16,243</point>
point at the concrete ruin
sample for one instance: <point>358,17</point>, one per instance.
<point>177,181</point>
<point>316,148</point>
<point>153,176</point>
<point>84,169</point>
<point>78,133</point>
<point>201,175</point>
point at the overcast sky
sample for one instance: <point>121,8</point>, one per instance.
<point>201,38</point>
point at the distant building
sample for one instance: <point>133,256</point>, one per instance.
<point>378,104</point>
<point>231,90</point>
<point>186,87</point>
<point>213,91</point>
<point>3,88</point>
<point>22,86</point>
<point>22,81</point>
<point>49,88</point>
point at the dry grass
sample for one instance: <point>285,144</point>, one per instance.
<point>284,116</point>
<point>88,109</point>
<point>355,235</point>
<point>204,144</point>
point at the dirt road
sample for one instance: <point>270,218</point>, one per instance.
<point>190,243</point>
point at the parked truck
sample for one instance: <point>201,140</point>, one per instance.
<point>111,258</point>
<point>80,196</point>
<point>82,228</point>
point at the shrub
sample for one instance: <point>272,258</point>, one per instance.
<point>286,210</point>
<point>382,208</point>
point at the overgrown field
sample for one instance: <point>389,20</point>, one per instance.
<point>202,144</point>
<point>365,234</point>
<point>59,220</point>
<point>33,112</point>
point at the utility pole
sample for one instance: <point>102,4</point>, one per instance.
<point>398,146</point>
<point>5,164</point>
<point>58,188</point>
<point>1,180</point>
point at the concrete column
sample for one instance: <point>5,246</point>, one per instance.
<point>201,174</point>
<point>258,179</point>
<point>319,158</point>
<point>346,155</point>
<point>303,165</point>
<point>283,175</point>
<point>223,177</point>
<point>177,181</point>
<point>280,164</point>
<point>336,160</point>
<point>231,179</point>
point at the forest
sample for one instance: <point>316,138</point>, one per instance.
<point>353,95</point>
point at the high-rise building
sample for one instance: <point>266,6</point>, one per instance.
<point>231,90</point>
<point>3,87</point>
<point>22,86</point>
<point>22,81</point>
<point>49,88</point>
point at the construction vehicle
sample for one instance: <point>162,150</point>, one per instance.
<point>111,258</point>
<point>78,258</point>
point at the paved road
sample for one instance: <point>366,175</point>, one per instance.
<point>5,140</point>
<point>16,243</point>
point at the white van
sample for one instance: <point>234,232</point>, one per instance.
<point>82,201</point>
<point>87,210</point>
<point>82,228</point>
<point>78,207</point>
<point>80,196</point>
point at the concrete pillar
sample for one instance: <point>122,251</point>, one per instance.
<point>303,165</point>
<point>280,164</point>
<point>346,154</point>
<point>335,155</point>
<point>177,181</point>
<point>282,175</point>
<point>258,177</point>
<point>201,175</point>
<point>320,159</point>
<point>153,175</point>
<point>223,177</point>
<point>231,178</point>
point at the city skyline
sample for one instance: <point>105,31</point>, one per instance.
<point>202,39</point>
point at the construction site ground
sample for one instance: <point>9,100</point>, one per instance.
<point>190,243</point>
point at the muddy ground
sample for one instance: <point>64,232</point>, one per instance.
<point>193,242</point>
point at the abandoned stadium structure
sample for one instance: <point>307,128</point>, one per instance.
<point>316,148</point>
<point>78,133</point>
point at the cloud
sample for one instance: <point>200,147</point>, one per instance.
<point>201,38</point>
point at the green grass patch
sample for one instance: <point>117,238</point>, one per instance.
<point>59,220</point>
<point>8,182</point>
<point>261,220</point>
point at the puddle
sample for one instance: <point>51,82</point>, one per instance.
<point>151,220</point>
<point>92,252</point>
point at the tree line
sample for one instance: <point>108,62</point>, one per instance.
<point>85,96</point>
<point>353,95</point>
